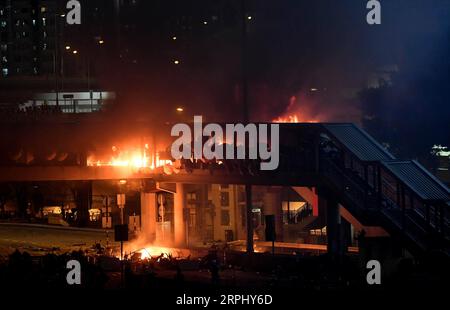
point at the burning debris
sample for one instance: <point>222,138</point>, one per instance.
<point>134,157</point>
<point>141,249</point>
<point>153,251</point>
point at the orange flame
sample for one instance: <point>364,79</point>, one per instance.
<point>134,158</point>
<point>294,118</point>
<point>294,115</point>
<point>155,251</point>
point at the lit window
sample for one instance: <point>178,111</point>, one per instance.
<point>191,196</point>
<point>43,9</point>
<point>5,71</point>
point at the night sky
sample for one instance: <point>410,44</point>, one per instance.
<point>314,59</point>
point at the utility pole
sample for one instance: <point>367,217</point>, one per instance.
<point>246,118</point>
<point>55,58</point>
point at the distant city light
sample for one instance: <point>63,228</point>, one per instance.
<point>249,17</point>
<point>67,47</point>
<point>63,15</point>
<point>440,150</point>
<point>101,42</point>
<point>174,38</point>
<point>75,52</point>
<point>177,62</point>
<point>180,109</point>
<point>123,182</point>
<point>205,23</point>
<point>313,89</point>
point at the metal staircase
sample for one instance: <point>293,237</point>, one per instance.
<point>400,196</point>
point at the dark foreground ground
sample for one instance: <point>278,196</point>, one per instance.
<point>35,261</point>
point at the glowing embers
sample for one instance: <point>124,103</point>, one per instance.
<point>162,252</point>
<point>135,251</point>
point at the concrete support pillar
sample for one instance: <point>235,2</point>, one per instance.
<point>333,228</point>
<point>148,216</point>
<point>178,218</point>
<point>346,235</point>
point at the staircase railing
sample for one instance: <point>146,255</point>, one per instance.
<point>363,196</point>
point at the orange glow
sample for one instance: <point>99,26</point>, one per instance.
<point>296,113</point>
<point>155,251</point>
<point>294,118</point>
<point>134,158</point>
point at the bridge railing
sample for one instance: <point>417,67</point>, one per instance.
<point>351,186</point>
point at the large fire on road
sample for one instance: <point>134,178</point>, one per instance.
<point>157,251</point>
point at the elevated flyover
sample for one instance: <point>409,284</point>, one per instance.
<point>347,165</point>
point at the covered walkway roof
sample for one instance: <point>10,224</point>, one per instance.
<point>416,177</point>
<point>357,141</point>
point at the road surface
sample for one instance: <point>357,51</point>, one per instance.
<point>39,239</point>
